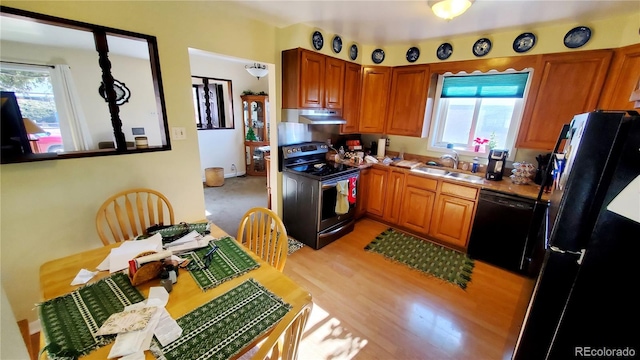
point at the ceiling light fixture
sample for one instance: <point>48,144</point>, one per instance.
<point>448,9</point>
<point>257,70</point>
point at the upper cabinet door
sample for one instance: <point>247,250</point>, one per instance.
<point>312,75</point>
<point>568,84</point>
<point>376,81</point>
<point>622,79</point>
<point>351,106</point>
<point>334,83</point>
<point>408,100</point>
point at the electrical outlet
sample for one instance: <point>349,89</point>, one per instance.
<point>233,167</point>
<point>387,142</point>
<point>179,133</point>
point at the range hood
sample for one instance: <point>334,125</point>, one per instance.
<point>313,116</point>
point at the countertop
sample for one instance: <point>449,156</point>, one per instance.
<point>504,186</point>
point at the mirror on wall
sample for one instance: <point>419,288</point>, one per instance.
<point>213,103</point>
<point>82,89</point>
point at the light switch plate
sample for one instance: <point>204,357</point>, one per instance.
<point>179,133</point>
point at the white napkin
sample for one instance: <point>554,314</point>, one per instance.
<point>83,276</point>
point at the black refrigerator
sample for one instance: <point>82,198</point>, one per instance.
<point>584,303</point>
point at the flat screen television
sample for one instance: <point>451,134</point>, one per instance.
<point>14,141</point>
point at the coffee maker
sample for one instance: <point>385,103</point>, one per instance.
<point>495,168</point>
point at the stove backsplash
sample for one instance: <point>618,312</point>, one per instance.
<point>295,133</point>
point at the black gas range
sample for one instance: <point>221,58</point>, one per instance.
<point>319,195</point>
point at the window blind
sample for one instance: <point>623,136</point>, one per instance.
<point>485,86</point>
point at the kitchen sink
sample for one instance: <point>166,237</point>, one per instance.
<point>449,174</point>
<point>430,171</point>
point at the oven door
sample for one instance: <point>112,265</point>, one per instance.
<point>330,201</point>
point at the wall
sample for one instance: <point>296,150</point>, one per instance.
<point>135,73</point>
<point>221,148</point>
<point>48,208</point>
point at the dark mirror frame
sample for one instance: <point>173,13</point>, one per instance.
<point>204,113</point>
<point>100,36</point>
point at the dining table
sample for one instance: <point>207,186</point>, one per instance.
<point>57,275</point>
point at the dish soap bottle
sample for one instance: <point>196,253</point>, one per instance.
<point>474,167</point>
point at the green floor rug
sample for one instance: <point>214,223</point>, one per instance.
<point>429,258</point>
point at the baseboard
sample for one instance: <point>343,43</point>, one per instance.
<point>35,327</point>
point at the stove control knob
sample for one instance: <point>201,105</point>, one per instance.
<point>299,149</point>
<point>288,151</point>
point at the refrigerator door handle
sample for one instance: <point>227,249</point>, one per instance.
<point>580,253</point>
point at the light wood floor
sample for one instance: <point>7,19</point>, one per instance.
<point>366,307</point>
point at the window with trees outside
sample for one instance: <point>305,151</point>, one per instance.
<point>34,93</point>
<point>478,112</point>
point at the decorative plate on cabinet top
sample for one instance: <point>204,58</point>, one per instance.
<point>524,42</point>
<point>577,37</point>
<point>481,47</point>
<point>377,56</point>
<point>413,54</point>
<point>444,51</point>
<point>317,40</point>
<point>336,44</point>
<point>353,52</point>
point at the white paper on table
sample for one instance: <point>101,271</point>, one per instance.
<point>135,341</point>
<point>193,235</point>
<point>627,202</point>
<point>167,329</point>
<point>83,276</point>
<point>158,296</point>
<point>104,265</point>
<point>191,245</point>
<point>120,256</point>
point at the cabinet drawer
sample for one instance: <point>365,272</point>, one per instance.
<point>459,190</point>
<point>422,183</point>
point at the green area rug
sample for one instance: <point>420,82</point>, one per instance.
<point>424,256</point>
<point>222,327</point>
<point>229,261</point>
<point>294,245</point>
<point>69,321</point>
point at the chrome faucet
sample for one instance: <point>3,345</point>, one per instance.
<point>453,157</point>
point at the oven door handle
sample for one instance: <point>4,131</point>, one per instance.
<point>334,182</point>
<point>329,186</point>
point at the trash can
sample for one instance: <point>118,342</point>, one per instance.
<point>214,176</point>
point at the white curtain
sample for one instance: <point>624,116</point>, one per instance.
<point>73,125</point>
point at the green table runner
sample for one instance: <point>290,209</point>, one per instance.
<point>172,233</point>
<point>225,325</point>
<point>229,261</point>
<point>69,321</point>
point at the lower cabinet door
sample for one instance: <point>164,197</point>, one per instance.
<point>377,190</point>
<point>393,202</point>
<point>417,207</point>
<point>451,220</point>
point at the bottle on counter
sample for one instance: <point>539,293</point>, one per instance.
<point>165,280</point>
<point>474,167</point>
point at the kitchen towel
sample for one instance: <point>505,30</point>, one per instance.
<point>352,190</point>
<point>342,192</point>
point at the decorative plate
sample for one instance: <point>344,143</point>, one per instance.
<point>353,52</point>
<point>577,37</point>
<point>336,44</point>
<point>524,42</point>
<point>377,56</point>
<point>122,92</point>
<point>481,47</point>
<point>413,54</point>
<point>444,51</point>
<point>317,40</point>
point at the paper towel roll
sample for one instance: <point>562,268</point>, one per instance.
<point>381,147</point>
<point>154,257</point>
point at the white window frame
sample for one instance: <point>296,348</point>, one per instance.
<point>441,106</point>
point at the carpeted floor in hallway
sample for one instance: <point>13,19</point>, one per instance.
<point>226,204</point>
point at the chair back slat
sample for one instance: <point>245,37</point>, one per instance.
<point>262,232</point>
<point>129,213</point>
<point>284,341</point>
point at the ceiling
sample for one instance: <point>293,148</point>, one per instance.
<point>387,22</point>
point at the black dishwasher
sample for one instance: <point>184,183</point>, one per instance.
<point>505,231</point>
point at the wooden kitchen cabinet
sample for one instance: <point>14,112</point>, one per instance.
<point>376,82</point>
<point>417,208</point>
<point>377,190</point>
<point>362,193</point>
<point>351,104</point>
<point>393,201</point>
<point>408,100</point>
<point>565,84</point>
<point>311,80</point>
<point>622,79</point>
<point>451,221</point>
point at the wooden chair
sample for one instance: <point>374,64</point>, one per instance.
<point>262,231</point>
<point>129,213</point>
<point>284,340</point>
